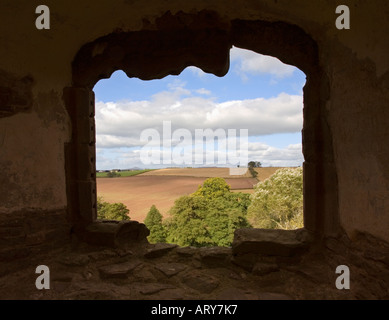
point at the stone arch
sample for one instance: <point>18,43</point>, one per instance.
<point>204,39</point>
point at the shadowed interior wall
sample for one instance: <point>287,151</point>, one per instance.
<point>352,79</point>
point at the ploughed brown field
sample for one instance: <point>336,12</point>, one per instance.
<point>162,187</point>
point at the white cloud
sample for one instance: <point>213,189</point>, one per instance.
<point>276,157</point>
<point>120,124</point>
<point>251,63</point>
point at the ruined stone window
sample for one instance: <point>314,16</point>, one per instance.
<point>156,54</point>
<point>259,94</point>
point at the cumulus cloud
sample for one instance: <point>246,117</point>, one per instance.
<point>276,157</point>
<point>251,63</point>
<point>119,124</point>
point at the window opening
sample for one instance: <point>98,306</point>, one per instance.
<point>157,141</point>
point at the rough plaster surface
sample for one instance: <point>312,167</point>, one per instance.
<point>355,61</point>
<point>32,163</point>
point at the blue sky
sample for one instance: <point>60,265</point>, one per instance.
<point>259,93</point>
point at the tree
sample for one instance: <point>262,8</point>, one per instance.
<point>111,211</point>
<point>278,201</point>
<point>254,164</point>
<point>153,222</point>
<point>187,225</point>
<point>213,188</point>
<point>207,217</point>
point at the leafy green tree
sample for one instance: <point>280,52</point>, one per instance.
<point>153,222</point>
<point>277,202</point>
<point>187,226</point>
<point>213,188</point>
<point>207,217</point>
<point>111,211</point>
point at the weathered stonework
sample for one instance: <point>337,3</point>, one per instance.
<point>47,139</point>
<point>28,233</point>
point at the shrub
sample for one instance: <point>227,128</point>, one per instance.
<point>277,202</point>
<point>113,174</point>
<point>111,211</point>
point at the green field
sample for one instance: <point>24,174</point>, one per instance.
<point>127,173</point>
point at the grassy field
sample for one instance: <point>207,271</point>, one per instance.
<point>125,173</point>
<point>162,187</point>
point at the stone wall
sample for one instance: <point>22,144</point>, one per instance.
<point>36,66</point>
<point>27,233</point>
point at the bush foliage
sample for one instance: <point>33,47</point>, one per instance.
<point>277,202</point>
<point>111,211</point>
<point>113,174</point>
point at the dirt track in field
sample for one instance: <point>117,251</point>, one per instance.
<point>163,187</point>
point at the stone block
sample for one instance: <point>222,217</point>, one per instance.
<point>115,234</point>
<point>187,251</point>
<point>171,269</point>
<point>201,281</point>
<point>245,261</point>
<point>215,256</point>
<point>272,242</point>
<point>159,250</point>
<point>119,270</point>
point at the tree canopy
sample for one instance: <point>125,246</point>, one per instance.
<point>153,222</point>
<point>207,217</point>
<point>213,188</point>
